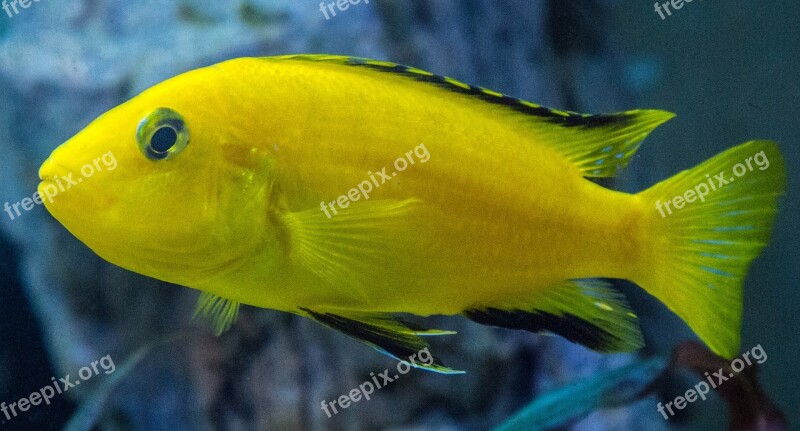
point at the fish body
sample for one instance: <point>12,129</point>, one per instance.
<point>535,224</point>
<point>347,190</point>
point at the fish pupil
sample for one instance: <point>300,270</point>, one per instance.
<point>163,139</point>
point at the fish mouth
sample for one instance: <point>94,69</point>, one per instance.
<point>50,171</point>
<point>46,174</point>
<point>57,179</point>
<point>51,185</point>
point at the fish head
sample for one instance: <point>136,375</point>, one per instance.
<point>159,185</point>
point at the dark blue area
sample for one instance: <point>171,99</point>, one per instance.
<point>24,352</point>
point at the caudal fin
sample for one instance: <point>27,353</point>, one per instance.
<point>705,226</point>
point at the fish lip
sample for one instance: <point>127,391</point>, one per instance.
<point>48,171</point>
<point>42,176</point>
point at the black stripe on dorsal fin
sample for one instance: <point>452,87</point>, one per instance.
<point>554,116</point>
<point>598,145</point>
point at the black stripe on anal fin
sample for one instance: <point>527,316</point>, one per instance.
<point>386,335</point>
<point>567,325</point>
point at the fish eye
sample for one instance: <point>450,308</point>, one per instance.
<point>162,134</point>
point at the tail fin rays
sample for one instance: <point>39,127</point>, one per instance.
<point>707,225</point>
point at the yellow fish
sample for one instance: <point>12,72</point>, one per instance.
<point>348,190</point>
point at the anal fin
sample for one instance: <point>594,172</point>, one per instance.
<point>586,312</point>
<point>387,335</point>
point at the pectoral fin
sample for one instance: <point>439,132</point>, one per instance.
<point>387,335</point>
<point>350,249</point>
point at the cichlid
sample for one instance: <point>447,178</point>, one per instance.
<point>247,180</point>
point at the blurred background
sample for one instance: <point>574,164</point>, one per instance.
<point>729,70</point>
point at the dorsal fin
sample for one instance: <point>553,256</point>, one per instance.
<point>563,118</point>
<point>599,145</point>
